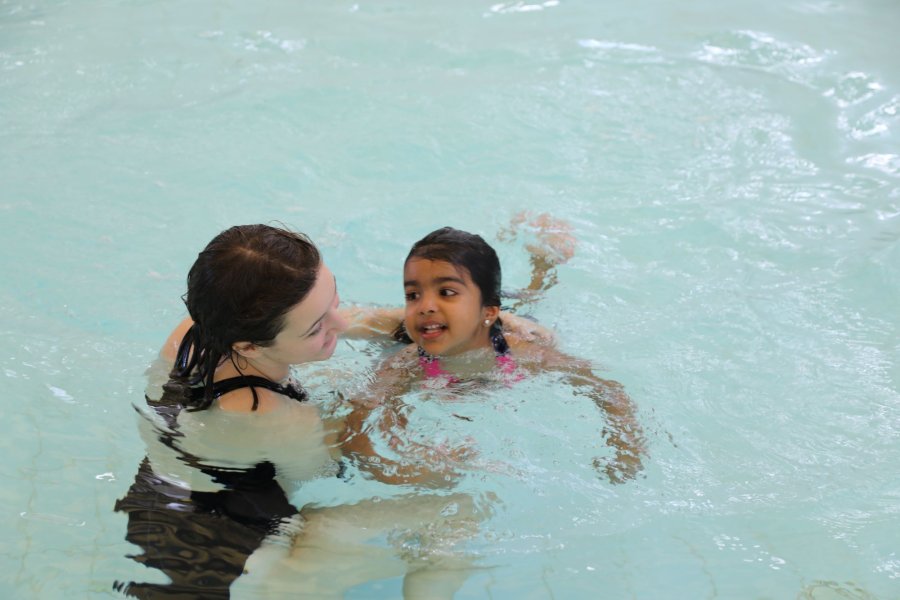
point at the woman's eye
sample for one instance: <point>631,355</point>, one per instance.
<point>315,331</point>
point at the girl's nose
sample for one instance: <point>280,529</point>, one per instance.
<point>427,304</point>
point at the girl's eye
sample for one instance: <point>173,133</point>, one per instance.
<point>448,292</point>
<point>410,296</point>
<point>315,331</point>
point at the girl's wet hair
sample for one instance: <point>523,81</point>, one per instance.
<point>240,289</point>
<point>465,250</point>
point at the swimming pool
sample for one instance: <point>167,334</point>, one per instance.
<point>731,174</point>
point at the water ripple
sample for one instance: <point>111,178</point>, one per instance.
<point>758,50</point>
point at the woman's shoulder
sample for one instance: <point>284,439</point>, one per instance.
<point>242,401</point>
<point>258,397</point>
<point>170,348</point>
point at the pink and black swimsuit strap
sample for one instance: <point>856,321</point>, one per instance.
<point>501,350</point>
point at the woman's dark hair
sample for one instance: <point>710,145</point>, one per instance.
<point>239,290</point>
<point>463,250</point>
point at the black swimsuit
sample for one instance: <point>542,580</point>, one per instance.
<point>201,540</point>
<point>220,388</point>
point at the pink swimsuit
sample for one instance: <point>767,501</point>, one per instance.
<point>431,365</point>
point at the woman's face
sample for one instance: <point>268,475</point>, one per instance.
<point>311,327</point>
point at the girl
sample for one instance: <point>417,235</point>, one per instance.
<point>452,322</point>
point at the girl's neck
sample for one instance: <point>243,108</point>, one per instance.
<point>468,360</point>
<point>472,363</point>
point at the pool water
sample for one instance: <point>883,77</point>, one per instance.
<point>731,172</point>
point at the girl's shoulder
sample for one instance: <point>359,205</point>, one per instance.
<point>541,352</point>
<point>522,331</point>
<point>527,350</point>
<point>403,361</point>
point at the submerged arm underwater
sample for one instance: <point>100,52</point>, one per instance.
<point>623,434</point>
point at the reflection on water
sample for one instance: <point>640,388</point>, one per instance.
<point>199,539</point>
<point>217,520</point>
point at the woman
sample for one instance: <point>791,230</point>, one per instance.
<point>218,473</point>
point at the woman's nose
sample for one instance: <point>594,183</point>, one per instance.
<point>338,321</point>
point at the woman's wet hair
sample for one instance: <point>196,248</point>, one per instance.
<point>240,289</point>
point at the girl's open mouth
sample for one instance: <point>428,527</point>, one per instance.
<point>430,331</point>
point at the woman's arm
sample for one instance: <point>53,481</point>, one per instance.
<point>371,321</point>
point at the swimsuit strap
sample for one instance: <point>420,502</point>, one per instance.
<point>189,355</point>
<point>501,347</point>
<point>505,361</point>
<point>431,365</point>
<point>220,388</point>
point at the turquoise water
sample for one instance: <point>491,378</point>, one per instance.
<point>731,173</point>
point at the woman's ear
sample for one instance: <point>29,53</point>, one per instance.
<point>245,349</point>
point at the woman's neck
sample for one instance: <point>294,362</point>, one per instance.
<point>237,366</point>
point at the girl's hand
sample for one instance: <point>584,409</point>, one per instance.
<point>555,243</point>
<point>624,467</point>
<point>551,244</point>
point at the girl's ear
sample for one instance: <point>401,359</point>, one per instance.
<point>245,349</point>
<point>490,314</point>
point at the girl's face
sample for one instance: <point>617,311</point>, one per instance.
<point>310,329</point>
<point>444,314</point>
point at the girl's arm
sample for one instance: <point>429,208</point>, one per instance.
<point>551,243</point>
<point>423,466</point>
<point>624,433</point>
<point>426,469</point>
<point>554,245</point>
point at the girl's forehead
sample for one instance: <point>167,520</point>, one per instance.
<point>425,267</point>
